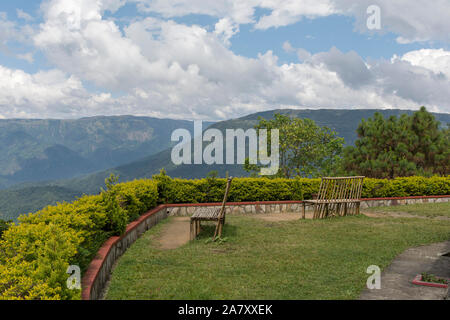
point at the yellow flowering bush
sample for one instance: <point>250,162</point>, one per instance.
<point>35,254</point>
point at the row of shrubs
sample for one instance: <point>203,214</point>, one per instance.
<point>264,189</point>
<point>35,254</point>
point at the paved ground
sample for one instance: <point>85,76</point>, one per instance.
<point>396,279</point>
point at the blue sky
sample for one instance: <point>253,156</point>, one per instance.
<point>215,60</point>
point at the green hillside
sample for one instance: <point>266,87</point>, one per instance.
<point>42,150</point>
<point>30,199</point>
<point>344,122</point>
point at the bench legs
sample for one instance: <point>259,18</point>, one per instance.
<point>195,228</point>
<point>192,229</point>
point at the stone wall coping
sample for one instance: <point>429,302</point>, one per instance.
<point>405,198</point>
<point>246,203</point>
<point>97,263</point>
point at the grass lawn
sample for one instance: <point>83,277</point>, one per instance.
<point>302,259</point>
<point>423,210</point>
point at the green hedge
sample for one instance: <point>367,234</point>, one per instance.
<point>242,189</point>
<point>35,254</point>
<point>405,187</point>
<point>264,189</point>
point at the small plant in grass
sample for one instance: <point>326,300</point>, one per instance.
<point>427,277</point>
<point>217,240</point>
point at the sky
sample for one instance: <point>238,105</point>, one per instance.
<point>214,60</point>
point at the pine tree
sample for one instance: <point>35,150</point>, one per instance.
<point>399,146</point>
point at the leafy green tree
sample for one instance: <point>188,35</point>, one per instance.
<point>305,148</point>
<point>399,147</point>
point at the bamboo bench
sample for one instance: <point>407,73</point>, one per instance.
<point>210,214</point>
<point>339,196</point>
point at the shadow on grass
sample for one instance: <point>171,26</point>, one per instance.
<point>208,229</point>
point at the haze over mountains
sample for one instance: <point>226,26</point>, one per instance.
<point>58,160</point>
<point>42,150</point>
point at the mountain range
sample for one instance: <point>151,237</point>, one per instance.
<point>42,150</point>
<point>58,160</point>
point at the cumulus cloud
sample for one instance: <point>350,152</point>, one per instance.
<point>41,94</point>
<point>158,67</point>
<point>350,67</point>
<point>292,11</point>
<point>411,20</point>
<point>226,29</point>
<point>77,40</point>
<point>437,60</point>
<point>302,54</point>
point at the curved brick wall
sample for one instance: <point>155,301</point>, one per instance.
<point>99,270</point>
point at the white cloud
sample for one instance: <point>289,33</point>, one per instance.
<point>437,60</point>
<point>8,29</point>
<point>77,40</point>
<point>11,31</point>
<point>287,47</point>
<point>46,93</point>
<point>226,29</point>
<point>161,68</point>
<point>23,15</point>
<point>302,54</point>
<point>412,21</point>
<point>240,12</point>
<point>286,12</point>
<point>28,57</point>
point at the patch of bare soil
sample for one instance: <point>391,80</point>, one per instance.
<point>278,217</point>
<point>174,234</point>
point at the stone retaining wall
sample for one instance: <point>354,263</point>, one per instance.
<point>293,206</point>
<point>99,270</point>
<point>98,273</point>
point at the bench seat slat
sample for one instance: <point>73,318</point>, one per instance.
<point>206,213</point>
<point>333,201</point>
<point>337,196</point>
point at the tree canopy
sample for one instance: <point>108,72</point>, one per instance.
<point>305,148</point>
<point>399,146</point>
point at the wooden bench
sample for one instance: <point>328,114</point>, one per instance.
<point>338,196</point>
<point>210,214</point>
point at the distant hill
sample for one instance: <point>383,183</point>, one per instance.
<point>344,122</point>
<point>42,150</point>
<point>31,199</point>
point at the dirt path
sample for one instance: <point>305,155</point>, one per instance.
<point>175,234</point>
<point>278,217</point>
